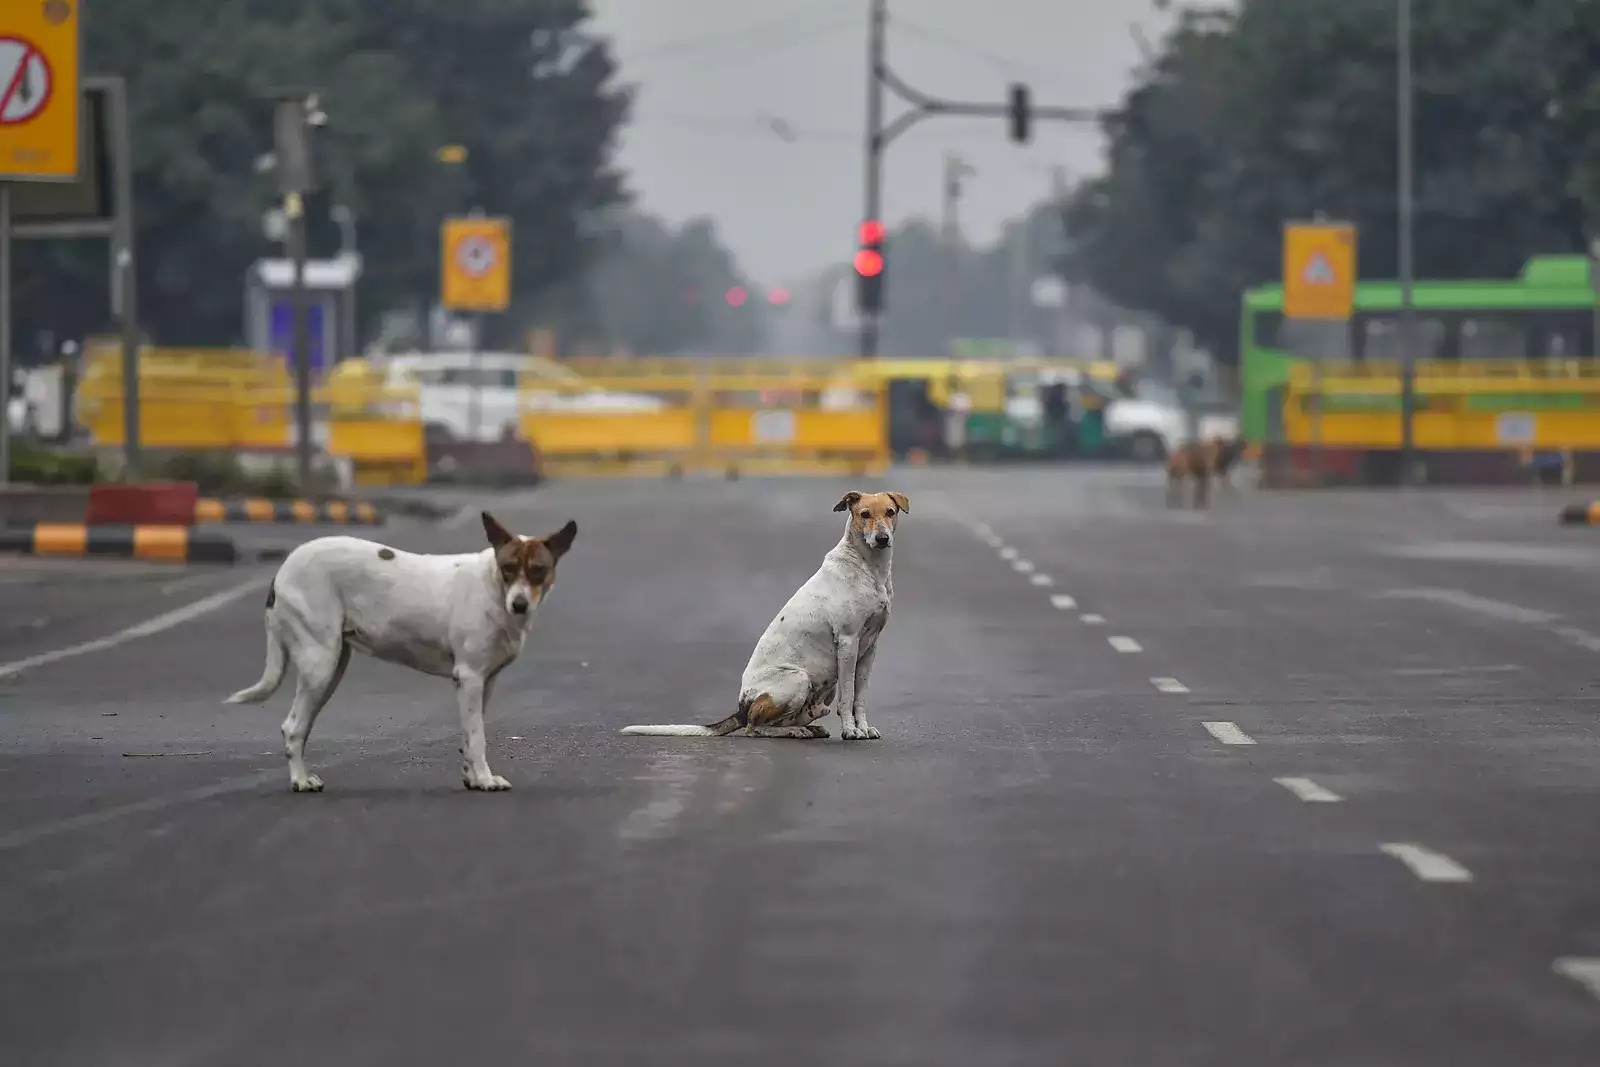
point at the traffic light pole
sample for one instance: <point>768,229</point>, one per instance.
<point>922,106</point>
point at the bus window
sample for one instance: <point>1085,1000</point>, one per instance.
<point>1484,337</point>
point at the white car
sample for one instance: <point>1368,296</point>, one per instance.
<point>1148,426</point>
<point>475,395</point>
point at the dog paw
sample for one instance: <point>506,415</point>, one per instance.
<point>853,733</point>
<point>309,784</point>
<point>818,732</point>
<point>870,733</point>
<point>489,784</point>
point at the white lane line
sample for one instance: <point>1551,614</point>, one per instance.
<point>1228,733</point>
<point>1022,566</point>
<point>1125,644</point>
<point>1456,598</point>
<point>1042,580</point>
<point>1008,552</point>
<point>1585,970</point>
<point>1092,620</point>
<point>1063,602</point>
<point>1169,685</point>
<point>1309,791</point>
<point>165,621</point>
<point>1426,864</point>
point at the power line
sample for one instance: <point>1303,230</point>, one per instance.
<point>1004,64</point>
<point>781,31</point>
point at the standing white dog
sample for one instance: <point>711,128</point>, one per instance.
<point>816,656</point>
<point>462,617</point>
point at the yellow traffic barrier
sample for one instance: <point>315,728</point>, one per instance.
<point>1475,405</point>
<point>705,416</point>
<point>239,402</point>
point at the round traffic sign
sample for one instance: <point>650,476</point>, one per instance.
<point>476,255</point>
<point>26,81</point>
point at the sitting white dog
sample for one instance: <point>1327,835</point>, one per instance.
<point>816,656</point>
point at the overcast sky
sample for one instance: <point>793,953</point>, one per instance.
<point>713,74</point>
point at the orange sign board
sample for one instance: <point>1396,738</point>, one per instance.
<point>1319,270</point>
<point>40,93</point>
<point>475,267</point>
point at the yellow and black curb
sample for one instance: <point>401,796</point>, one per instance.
<point>1581,514</point>
<point>255,509</point>
<point>158,544</point>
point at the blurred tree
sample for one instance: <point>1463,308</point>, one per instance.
<point>1247,119</point>
<point>658,290</point>
<point>520,83</point>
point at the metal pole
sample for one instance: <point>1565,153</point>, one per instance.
<point>294,209</point>
<point>124,265</point>
<point>5,334</point>
<point>475,417</point>
<point>1408,368</point>
<point>874,178</point>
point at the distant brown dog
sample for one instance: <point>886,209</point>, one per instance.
<point>1201,462</point>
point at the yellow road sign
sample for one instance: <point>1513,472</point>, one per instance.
<point>475,272</point>
<point>40,94</point>
<point>1319,270</point>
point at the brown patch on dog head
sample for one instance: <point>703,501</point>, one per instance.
<point>534,559</point>
<point>871,513</point>
<point>386,553</point>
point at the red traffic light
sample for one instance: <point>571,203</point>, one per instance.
<point>779,296</point>
<point>871,232</point>
<point>736,296</point>
<point>869,263</point>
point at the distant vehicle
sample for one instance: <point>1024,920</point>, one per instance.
<point>1149,425</point>
<point>454,385</point>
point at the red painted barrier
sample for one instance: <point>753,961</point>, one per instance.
<point>146,504</point>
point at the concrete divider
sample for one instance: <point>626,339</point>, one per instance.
<point>255,509</point>
<point>1581,514</point>
<point>25,504</point>
<point>142,504</point>
<point>164,544</point>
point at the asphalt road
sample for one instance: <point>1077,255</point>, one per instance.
<point>1305,779</point>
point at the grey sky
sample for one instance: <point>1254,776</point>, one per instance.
<point>711,72</point>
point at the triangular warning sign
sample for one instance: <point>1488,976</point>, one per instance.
<point>1319,271</point>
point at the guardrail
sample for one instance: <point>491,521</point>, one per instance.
<point>1474,406</point>
<point>707,418</point>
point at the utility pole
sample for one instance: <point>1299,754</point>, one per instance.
<point>1408,333</point>
<point>955,168</point>
<point>1019,110</point>
<point>298,113</point>
<point>877,32</point>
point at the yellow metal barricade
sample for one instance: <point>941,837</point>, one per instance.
<point>683,415</point>
<point>378,428</point>
<point>1474,405</point>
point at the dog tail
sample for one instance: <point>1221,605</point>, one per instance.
<point>271,677</point>
<point>716,729</point>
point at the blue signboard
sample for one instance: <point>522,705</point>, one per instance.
<point>281,327</point>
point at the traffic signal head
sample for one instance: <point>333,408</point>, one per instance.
<point>869,264</point>
<point>1020,113</point>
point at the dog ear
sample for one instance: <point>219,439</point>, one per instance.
<point>561,541</point>
<point>499,536</point>
<point>848,501</point>
<point>901,501</point>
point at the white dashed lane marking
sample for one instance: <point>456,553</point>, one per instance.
<point>1169,685</point>
<point>1008,553</point>
<point>1426,864</point>
<point>1041,580</point>
<point>1309,791</point>
<point>1093,620</point>
<point>1585,970</point>
<point>1229,733</point>
<point>1022,566</point>
<point>1125,644</point>
<point>1063,602</point>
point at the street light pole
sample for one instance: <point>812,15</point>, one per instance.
<point>1408,333</point>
